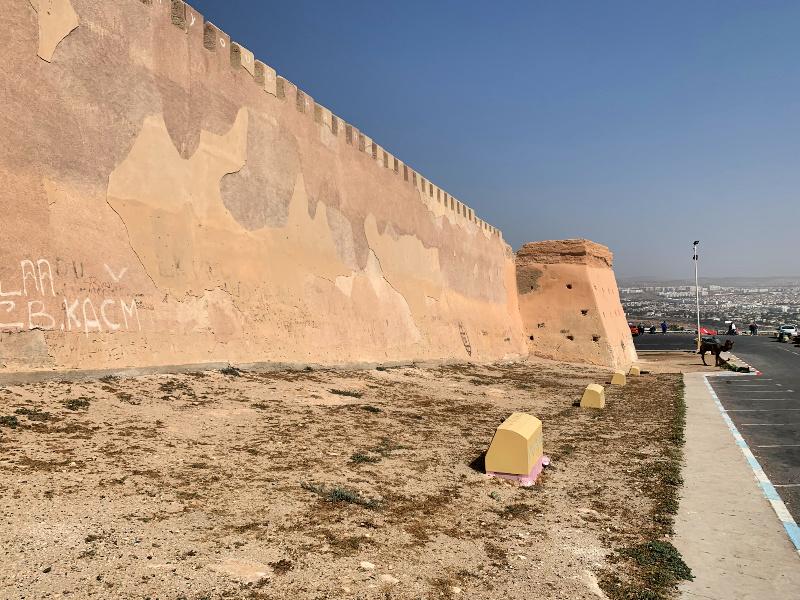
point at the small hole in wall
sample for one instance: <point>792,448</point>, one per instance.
<point>540,325</point>
<point>569,286</point>
<point>530,338</point>
<point>585,311</point>
<point>570,337</point>
<point>595,338</point>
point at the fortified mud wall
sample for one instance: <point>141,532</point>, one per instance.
<point>167,199</point>
<point>570,305</point>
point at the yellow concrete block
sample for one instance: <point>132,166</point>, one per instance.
<point>517,445</point>
<point>594,396</point>
<point>618,378</point>
<point>635,371</point>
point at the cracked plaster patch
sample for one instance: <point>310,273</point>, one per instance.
<point>57,19</point>
<point>186,238</point>
<point>188,242</point>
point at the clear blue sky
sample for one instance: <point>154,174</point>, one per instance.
<point>640,125</point>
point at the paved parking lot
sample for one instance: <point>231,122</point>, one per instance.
<point>765,408</point>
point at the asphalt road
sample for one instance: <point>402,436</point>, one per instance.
<point>765,408</point>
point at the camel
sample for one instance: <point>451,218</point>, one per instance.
<point>713,346</point>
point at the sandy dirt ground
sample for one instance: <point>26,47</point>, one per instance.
<point>323,484</point>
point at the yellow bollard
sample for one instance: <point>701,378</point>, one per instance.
<point>517,446</point>
<point>594,396</point>
<point>618,378</point>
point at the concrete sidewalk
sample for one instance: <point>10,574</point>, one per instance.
<point>726,529</point>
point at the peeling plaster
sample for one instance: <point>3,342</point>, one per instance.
<point>237,230</point>
<point>57,19</point>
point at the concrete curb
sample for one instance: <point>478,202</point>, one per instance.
<point>742,363</point>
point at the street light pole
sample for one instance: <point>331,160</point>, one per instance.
<point>696,259</point>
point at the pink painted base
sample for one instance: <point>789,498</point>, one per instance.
<point>524,480</point>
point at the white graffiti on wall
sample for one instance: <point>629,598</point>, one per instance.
<point>116,276</point>
<point>29,304</point>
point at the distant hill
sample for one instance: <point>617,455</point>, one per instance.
<point>793,281</point>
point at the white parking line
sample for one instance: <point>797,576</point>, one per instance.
<point>786,485</point>
<point>761,399</point>
<point>751,390</point>
<point>761,409</point>
<point>767,424</point>
<point>748,383</point>
<point>780,446</point>
<point>762,391</point>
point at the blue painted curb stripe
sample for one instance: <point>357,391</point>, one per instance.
<point>770,493</point>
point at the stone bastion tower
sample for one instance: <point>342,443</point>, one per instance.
<point>570,305</point>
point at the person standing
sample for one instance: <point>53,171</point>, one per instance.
<point>663,327</point>
<point>753,328</point>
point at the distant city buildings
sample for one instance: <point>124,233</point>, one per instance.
<point>766,306</point>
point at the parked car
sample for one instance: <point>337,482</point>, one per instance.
<point>634,329</point>
<point>786,333</point>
